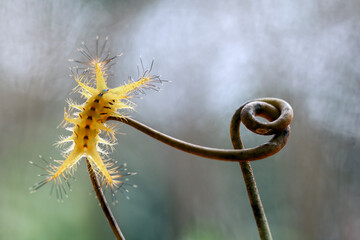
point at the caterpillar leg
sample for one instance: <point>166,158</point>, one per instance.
<point>99,167</point>
<point>58,172</point>
<point>120,174</point>
<point>124,185</point>
<point>66,166</point>
<point>57,184</point>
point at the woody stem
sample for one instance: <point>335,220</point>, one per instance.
<point>103,203</point>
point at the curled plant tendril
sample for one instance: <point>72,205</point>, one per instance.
<point>279,114</point>
<point>270,108</point>
<point>277,111</point>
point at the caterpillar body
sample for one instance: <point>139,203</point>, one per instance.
<point>88,120</point>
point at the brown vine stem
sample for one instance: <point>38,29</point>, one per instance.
<point>279,114</point>
<point>103,203</point>
<point>246,114</point>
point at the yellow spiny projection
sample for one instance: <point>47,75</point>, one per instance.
<point>101,103</point>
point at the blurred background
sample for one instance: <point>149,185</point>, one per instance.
<point>217,55</point>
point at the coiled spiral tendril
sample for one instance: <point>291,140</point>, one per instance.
<point>275,110</point>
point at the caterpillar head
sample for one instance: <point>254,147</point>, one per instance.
<point>103,92</point>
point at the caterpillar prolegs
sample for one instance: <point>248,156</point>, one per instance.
<point>91,136</point>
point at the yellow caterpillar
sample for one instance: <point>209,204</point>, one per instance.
<point>88,120</point>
